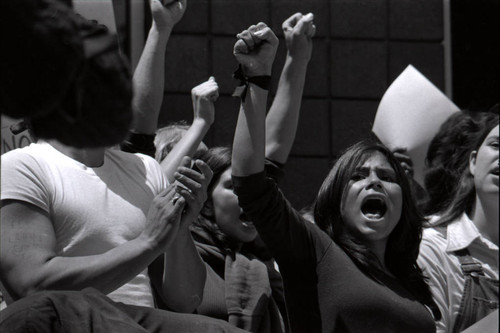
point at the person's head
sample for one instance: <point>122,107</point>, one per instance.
<point>167,137</point>
<point>221,213</point>
<point>448,155</point>
<point>366,200</point>
<point>73,84</point>
<point>479,180</point>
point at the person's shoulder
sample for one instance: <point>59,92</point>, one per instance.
<point>26,154</point>
<point>435,235</point>
<point>434,243</point>
<point>131,157</point>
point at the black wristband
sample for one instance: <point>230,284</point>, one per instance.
<point>263,81</point>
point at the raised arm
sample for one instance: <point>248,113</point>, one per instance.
<point>204,97</point>
<point>149,76</point>
<point>179,275</point>
<point>255,51</point>
<point>282,119</point>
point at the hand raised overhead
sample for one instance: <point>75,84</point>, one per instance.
<point>255,50</point>
<point>167,13</point>
<point>299,30</point>
<point>204,96</point>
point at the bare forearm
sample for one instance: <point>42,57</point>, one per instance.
<point>105,272</point>
<point>184,275</point>
<point>249,138</point>
<point>149,81</point>
<point>187,146</point>
<point>282,119</point>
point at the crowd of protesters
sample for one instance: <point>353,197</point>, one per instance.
<point>111,224</point>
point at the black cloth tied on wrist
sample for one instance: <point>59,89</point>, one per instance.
<point>263,82</point>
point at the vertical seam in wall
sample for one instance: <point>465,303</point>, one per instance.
<point>329,82</point>
<point>210,55</point>
<point>269,13</point>
<point>388,43</point>
<point>448,74</point>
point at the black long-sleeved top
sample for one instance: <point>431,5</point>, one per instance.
<point>324,290</point>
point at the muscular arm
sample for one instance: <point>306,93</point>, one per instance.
<point>29,262</point>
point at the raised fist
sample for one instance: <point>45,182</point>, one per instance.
<point>255,50</point>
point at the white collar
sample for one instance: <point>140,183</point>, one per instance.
<point>462,232</point>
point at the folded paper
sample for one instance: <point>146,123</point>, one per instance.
<point>410,114</point>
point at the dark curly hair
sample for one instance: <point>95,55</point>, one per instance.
<point>64,74</point>
<point>465,193</point>
<point>404,241</point>
<point>448,156</point>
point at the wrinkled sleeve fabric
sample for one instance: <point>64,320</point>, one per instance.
<point>297,245</point>
<point>285,232</point>
<point>433,264</point>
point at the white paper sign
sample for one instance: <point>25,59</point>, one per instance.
<point>11,141</point>
<point>410,114</point>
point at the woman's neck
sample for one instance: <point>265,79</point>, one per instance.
<point>485,217</point>
<point>91,157</point>
<point>378,248</point>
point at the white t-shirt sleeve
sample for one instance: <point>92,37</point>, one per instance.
<point>157,180</point>
<point>24,179</point>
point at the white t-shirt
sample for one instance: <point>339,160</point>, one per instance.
<point>92,209</point>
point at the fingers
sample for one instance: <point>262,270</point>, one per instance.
<point>247,38</point>
<point>208,90</point>
<point>240,47</point>
<point>308,23</point>
<point>301,24</point>
<point>250,38</point>
<point>291,22</point>
<point>194,182</point>
<point>266,35</point>
<point>404,160</point>
<point>170,4</point>
<point>194,178</point>
<point>205,170</point>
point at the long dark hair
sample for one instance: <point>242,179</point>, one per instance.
<point>404,241</point>
<point>448,156</point>
<point>465,194</point>
<point>219,160</point>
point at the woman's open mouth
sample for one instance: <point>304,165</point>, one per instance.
<point>245,221</point>
<point>373,208</point>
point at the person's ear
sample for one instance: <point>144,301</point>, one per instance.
<point>472,162</point>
